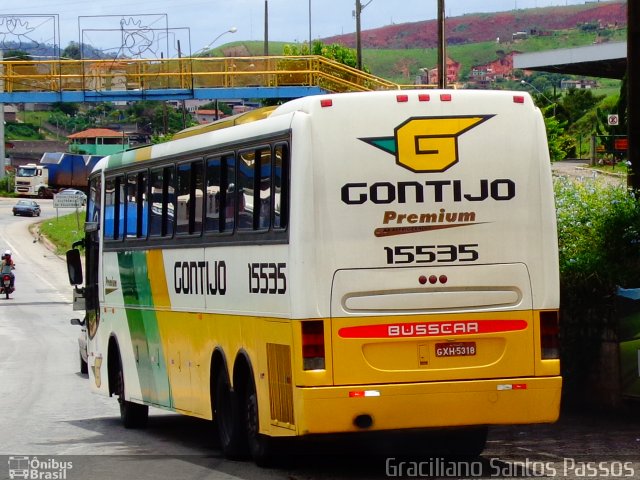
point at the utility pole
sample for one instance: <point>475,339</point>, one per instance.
<point>309,26</point>
<point>633,98</point>
<point>266,28</point>
<point>358,33</point>
<point>358,13</point>
<point>442,47</point>
<point>2,152</point>
<point>182,102</point>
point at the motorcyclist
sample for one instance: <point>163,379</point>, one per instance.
<point>8,261</point>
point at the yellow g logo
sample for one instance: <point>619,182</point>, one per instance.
<point>427,144</point>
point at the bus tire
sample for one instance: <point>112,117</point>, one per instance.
<point>84,368</point>
<point>228,419</point>
<point>467,442</point>
<point>261,447</point>
<point>133,415</point>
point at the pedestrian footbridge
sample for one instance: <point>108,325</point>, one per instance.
<point>179,79</point>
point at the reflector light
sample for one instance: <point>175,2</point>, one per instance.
<point>433,279</point>
<point>364,393</point>
<point>445,97</point>
<point>313,345</point>
<point>512,386</point>
<point>424,97</point>
<point>443,279</point>
<point>549,332</point>
<point>402,98</point>
<point>327,102</point>
<point>518,99</point>
<point>422,279</point>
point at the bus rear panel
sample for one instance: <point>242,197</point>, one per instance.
<point>435,268</point>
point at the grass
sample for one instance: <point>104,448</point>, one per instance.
<point>64,230</point>
<point>402,65</point>
<point>618,167</point>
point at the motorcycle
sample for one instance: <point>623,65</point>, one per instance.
<point>5,284</point>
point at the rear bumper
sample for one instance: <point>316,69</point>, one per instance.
<point>429,405</point>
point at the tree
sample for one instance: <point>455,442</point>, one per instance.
<point>67,108</point>
<point>156,117</point>
<point>335,51</point>
<point>576,103</point>
<point>17,55</point>
<point>72,51</point>
<point>559,143</point>
<point>222,106</point>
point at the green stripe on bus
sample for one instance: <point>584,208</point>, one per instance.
<point>143,327</point>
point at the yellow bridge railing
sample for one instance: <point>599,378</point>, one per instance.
<point>184,74</point>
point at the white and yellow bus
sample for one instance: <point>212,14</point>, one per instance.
<point>354,262</point>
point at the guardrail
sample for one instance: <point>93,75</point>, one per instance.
<point>184,74</point>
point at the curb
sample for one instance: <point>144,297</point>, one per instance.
<point>34,229</point>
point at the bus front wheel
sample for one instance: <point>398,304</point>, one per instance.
<point>133,415</point>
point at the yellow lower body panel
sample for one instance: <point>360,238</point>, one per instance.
<point>428,405</point>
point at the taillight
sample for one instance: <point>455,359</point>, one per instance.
<point>549,332</point>
<point>313,345</point>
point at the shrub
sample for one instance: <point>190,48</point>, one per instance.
<point>598,235</point>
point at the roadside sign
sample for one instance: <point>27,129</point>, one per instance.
<point>621,143</point>
<point>612,119</point>
<point>67,201</point>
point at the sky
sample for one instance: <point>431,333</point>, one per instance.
<point>195,24</point>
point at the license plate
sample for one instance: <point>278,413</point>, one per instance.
<point>457,349</point>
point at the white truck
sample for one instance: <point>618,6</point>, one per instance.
<point>56,171</point>
<point>32,180</point>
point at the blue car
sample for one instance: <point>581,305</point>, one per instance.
<point>27,207</point>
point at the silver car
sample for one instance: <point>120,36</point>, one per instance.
<point>82,345</point>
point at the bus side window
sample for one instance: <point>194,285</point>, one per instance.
<point>245,189</point>
<point>113,213</point>
<point>156,200</point>
<point>230,201</point>
<point>109,196</point>
<point>120,206</point>
<point>168,201</point>
<point>131,205</point>
<point>190,186</point>
<point>143,205</point>
<point>93,206</point>
<point>262,215</point>
<point>213,196</point>
<point>281,186</point>
<point>161,203</point>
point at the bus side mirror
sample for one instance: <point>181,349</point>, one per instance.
<point>74,267</point>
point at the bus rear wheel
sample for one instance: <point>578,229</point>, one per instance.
<point>133,415</point>
<point>261,447</point>
<point>466,442</point>
<point>228,419</point>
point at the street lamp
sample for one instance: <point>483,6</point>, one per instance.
<point>523,82</point>
<point>208,46</point>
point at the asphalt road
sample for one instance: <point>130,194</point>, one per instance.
<point>579,169</point>
<point>51,423</point>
